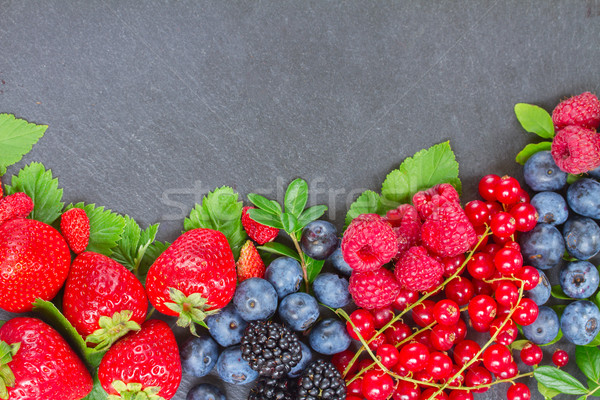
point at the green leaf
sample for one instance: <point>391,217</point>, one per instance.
<point>518,344</point>
<point>588,361</point>
<point>535,119</point>
<point>368,202</point>
<point>263,217</point>
<point>133,244</point>
<point>313,267</point>
<point>289,222</point>
<point>281,249</point>
<point>573,178</point>
<point>559,336</point>
<point>106,228</point>
<point>558,293</point>
<point>311,214</point>
<point>547,393</point>
<point>557,379</point>
<point>296,197</point>
<point>17,137</point>
<point>98,392</point>
<point>38,183</point>
<point>222,211</point>
<point>530,150</point>
<point>265,204</point>
<point>595,342</point>
<point>150,255</point>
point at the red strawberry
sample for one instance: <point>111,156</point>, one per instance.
<point>581,110</point>
<point>249,265</point>
<point>34,263</point>
<point>17,205</point>
<point>75,227</point>
<point>260,233</point>
<point>146,361</point>
<point>44,366</point>
<point>194,276</point>
<point>98,289</point>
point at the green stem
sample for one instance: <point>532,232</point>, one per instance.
<point>302,261</point>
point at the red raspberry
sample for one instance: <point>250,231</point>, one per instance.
<point>582,110</point>
<point>373,289</point>
<point>417,271</point>
<point>448,232</point>
<point>368,243</point>
<point>427,201</point>
<point>260,233</point>
<point>407,226</point>
<point>75,227</point>
<point>17,205</point>
<point>576,150</point>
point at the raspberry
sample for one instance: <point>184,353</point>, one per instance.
<point>417,270</point>
<point>576,150</point>
<point>75,227</point>
<point>582,110</point>
<point>373,289</point>
<point>249,264</point>
<point>17,205</point>
<point>260,233</point>
<point>427,201</point>
<point>368,243</point>
<point>407,226</point>
<point>448,232</point>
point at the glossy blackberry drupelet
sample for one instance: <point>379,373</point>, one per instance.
<point>271,389</point>
<point>321,380</point>
<point>270,348</point>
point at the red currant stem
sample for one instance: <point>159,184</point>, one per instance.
<point>302,261</point>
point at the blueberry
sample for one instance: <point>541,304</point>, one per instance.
<point>285,274</point>
<point>307,357</point>
<point>338,262</point>
<point>233,369</point>
<point>541,173</point>
<point>255,299</point>
<point>226,326</point>
<point>583,197</point>
<point>319,239</point>
<point>545,328</point>
<point>582,237</point>
<point>551,207</point>
<point>580,322</point>
<point>579,279</point>
<point>299,311</point>
<point>543,246</point>
<point>329,337</point>
<point>199,356</point>
<point>205,391</point>
<point>541,293</point>
<point>595,173</point>
<point>331,290</point>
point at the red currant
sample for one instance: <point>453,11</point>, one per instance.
<point>341,361</point>
<point>422,313</point>
<point>404,299</point>
<point>355,388</point>
<point>477,212</point>
<point>460,329</point>
<point>509,371</point>
<point>439,365</point>
<point>406,391</point>
<point>507,334</point>
<point>453,264</point>
<point>503,224</point>
<point>531,354</point>
<point>460,290</point>
<point>477,376</point>
<point>523,196</point>
<point>507,190</point>
<point>366,364</point>
<point>400,370</point>
<point>460,395</point>
<point>506,294</point>
<point>397,332</point>
<point>377,341</point>
<point>423,376</point>
<point>388,355</point>
<point>465,351</point>
<point>377,385</point>
<point>525,215</point>
<point>480,265</point>
<point>363,321</point>
<point>508,261</point>
<point>526,312</point>
<point>496,357</point>
<point>442,337</point>
<point>530,277</point>
<point>428,395</point>
<point>455,378</point>
<point>512,245</point>
<point>560,358</point>
<point>446,312</point>
<point>482,237</point>
<point>518,391</point>
<point>482,309</point>
<point>354,398</point>
<point>482,288</point>
<point>480,326</point>
<point>381,316</point>
<point>414,356</point>
<point>425,339</point>
<point>487,187</point>
<point>492,248</point>
<point>502,240</point>
<point>493,208</point>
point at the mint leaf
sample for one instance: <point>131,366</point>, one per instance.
<point>530,150</point>
<point>558,293</point>
<point>368,202</point>
<point>313,267</point>
<point>559,380</point>
<point>38,183</point>
<point>133,244</point>
<point>547,393</point>
<point>106,228</point>
<point>588,361</point>
<point>289,222</point>
<point>265,218</point>
<point>220,210</point>
<point>263,203</point>
<point>296,197</point>
<point>280,249</point>
<point>17,137</point>
<point>535,119</point>
<point>311,214</point>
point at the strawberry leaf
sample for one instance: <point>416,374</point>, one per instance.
<point>296,197</point>
<point>280,249</point>
<point>106,228</point>
<point>98,392</point>
<point>17,137</point>
<point>313,267</point>
<point>368,202</point>
<point>222,211</point>
<point>559,380</point>
<point>530,150</point>
<point>588,361</point>
<point>133,244</point>
<point>535,119</point>
<point>38,183</point>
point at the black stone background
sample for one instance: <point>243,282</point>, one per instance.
<point>151,104</point>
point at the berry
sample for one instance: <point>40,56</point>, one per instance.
<point>428,201</point>
<point>541,292</point>
<point>377,385</point>
<point>319,239</point>
<point>227,326</point>
<point>373,289</point>
<point>442,337</point>
<point>406,391</point>
<point>446,312</point>
<point>271,389</point>
<point>581,110</point>
<point>416,270</point>
<point>337,260</point>
<point>542,247</point>
<point>526,312</point>
<point>582,237</point>
<point>482,287</point>
<point>381,316</point>
<point>342,360</point>
<point>518,391</point>
<point>17,205</point>
<point>560,358</point>
<point>321,381</point>
<point>205,391</point>
<point>368,243</point>
<point>75,227</point>
<point>388,355</point>
<point>496,357</point>
<point>477,212</point>
<point>453,265</point>
<point>531,354</point>
<point>439,365</point>
<point>407,226</point>
<point>487,187</point>
<point>525,215</point>
<point>580,322</point>
<point>428,395</point>
<point>329,336</point>
<point>576,150</point>
<point>579,279</point>
<point>508,261</point>
<point>508,333</point>
<point>460,290</point>
<point>303,363</point>
<point>551,207</point>
<point>260,233</point>
<point>447,231</point>
<point>285,274</point>
<point>425,339</point>
<point>331,290</point>
<point>299,311</point>
<point>503,224</point>
<point>397,332</point>
<point>460,331</point>
<point>481,265</point>
<point>465,351</point>
<point>255,299</point>
<point>477,376</point>
<point>460,395</point>
<point>509,371</point>
<point>404,299</point>
<point>541,173</point>
<point>422,313</point>
<point>482,309</point>
<point>198,356</point>
<point>363,324</point>
<point>529,276</point>
<point>583,196</point>
<point>249,264</point>
<point>507,190</point>
<point>506,294</point>
<point>414,356</point>
<point>232,368</point>
<point>545,328</point>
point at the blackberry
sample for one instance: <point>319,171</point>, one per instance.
<point>271,389</point>
<point>270,348</point>
<point>321,380</point>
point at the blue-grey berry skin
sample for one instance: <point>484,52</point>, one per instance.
<point>541,292</point>
<point>579,279</point>
<point>580,322</point>
<point>232,368</point>
<point>542,247</point>
<point>551,207</point>
<point>337,260</point>
<point>541,173</point>
<point>205,391</point>
<point>545,328</point>
<point>329,336</point>
<point>307,357</point>
<point>226,326</point>
<point>583,197</point>
<point>331,290</point>
<point>285,274</point>
<point>582,237</point>
<point>299,311</point>
<point>255,299</point>
<point>199,356</point>
<point>594,173</point>
<point>319,239</point>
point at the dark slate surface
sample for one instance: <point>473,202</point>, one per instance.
<point>152,104</point>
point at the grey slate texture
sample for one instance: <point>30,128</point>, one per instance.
<point>151,104</point>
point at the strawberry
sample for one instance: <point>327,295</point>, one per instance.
<point>146,361</point>
<point>75,227</point>
<point>17,205</point>
<point>193,277</point>
<point>103,300</point>
<point>260,233</point>
<point>249,265</point>
<point>41,363</point>
<point>34,263</point>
